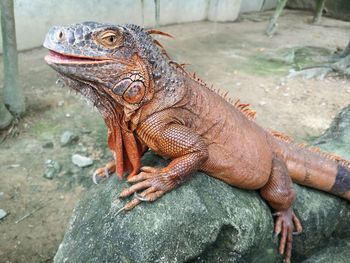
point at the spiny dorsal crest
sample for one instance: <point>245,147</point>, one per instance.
<point>330,156</point>
<point>244,108</point>
<point>281,136</point>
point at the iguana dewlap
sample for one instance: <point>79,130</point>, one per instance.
<point>149,101</point>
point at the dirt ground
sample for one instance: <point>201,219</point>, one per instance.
<point>236,57</point>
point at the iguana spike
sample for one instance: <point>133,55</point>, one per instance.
<point>281,136</point>
<point>162,48</point>
<point>158,32</point>
<point>179,66</point>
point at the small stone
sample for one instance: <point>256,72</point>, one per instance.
<point>52,169</point>
<point>48,145</point>
<point>262,103</point>
<point>68,138</point>
<point>49,174</point>
<point>3,214</point>
<point>60,103</point>
<point>81,161</point>
<point>68,115</point>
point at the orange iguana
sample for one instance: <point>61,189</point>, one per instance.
<point>149,101</point>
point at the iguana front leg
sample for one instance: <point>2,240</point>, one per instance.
<point>187,150</point>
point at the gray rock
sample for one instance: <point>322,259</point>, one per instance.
<point>3,214</point>
<point>204,220</point>
<point>81,161</point>
<point>52,169</point>
<point>68,138</point>
<point>191,222</point>
<point>338,252</point>
<point>337,137</point>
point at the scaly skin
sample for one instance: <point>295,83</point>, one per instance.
<point>148,101</point>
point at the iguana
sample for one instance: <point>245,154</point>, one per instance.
<point>151,102</point>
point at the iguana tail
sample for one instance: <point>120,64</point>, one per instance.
<point>311,167</point>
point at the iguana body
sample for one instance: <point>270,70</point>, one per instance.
<point>148,101</point>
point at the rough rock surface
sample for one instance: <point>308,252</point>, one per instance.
<point>205,220</point>
<point>338,252</point>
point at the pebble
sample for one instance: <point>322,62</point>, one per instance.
<point>3,214</point>
<point>68,138</point>
<point>52,168</point>
<point>81,161</point>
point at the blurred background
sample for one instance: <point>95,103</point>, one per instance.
<point>254,49</point>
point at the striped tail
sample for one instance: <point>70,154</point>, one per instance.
<point>316,169</point>
<point>341,186</point>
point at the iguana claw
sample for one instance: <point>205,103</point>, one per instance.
<point>96,173</point>
<point>103,172</point>
<point>141,198</point>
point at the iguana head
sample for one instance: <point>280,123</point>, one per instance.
<point>112,60</point>
<point>112,66</point>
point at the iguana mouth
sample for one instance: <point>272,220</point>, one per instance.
<point>58,58</point>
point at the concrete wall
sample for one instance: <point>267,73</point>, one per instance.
<point>339,9</point>
<point>35,17</point>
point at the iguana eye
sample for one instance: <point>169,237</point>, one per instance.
<point>110,39</point>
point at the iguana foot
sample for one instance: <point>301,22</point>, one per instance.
<point>103,172</point>
<point>286,221</point>
<point>153,182</point>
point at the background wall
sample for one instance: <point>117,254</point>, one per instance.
<point>334,8</point>
<point>34,18</point>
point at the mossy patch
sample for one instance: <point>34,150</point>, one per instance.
<point>279,62</point>
<point>45,127</point>
<point>261,65</point>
